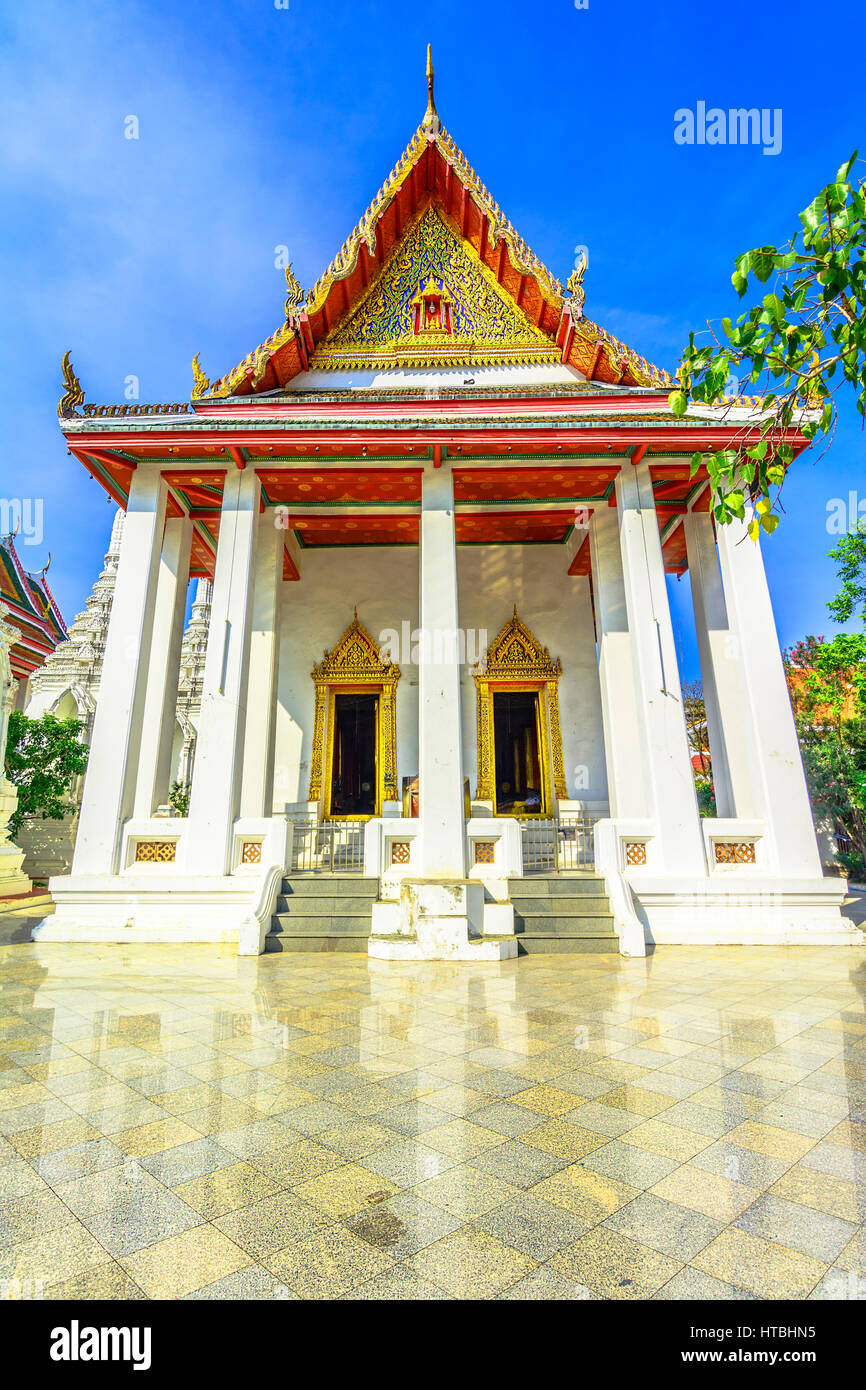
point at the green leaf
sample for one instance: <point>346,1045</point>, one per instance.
<point>677,400</point>
<point>762,262</point>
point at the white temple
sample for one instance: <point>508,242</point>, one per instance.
<point>440,711</point>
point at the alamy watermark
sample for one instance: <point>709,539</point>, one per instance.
<point>432,646</point>
<point>21,517</point>
<point>736,126</point>
<point>846,516</point>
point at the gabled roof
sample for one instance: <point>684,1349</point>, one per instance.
<point>433,171</point>
<point>32,609</point>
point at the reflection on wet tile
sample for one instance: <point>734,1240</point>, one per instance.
<point>328,1263</point>
<point>471,1264</point>
<point>570,1128</point>
<point>766,1268</point>
<point>614,1266</point>
<point>665,1226</point>
<point>185,1262</point>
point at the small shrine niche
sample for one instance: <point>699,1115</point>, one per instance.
<point>432,309</point>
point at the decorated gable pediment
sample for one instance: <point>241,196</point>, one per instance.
<point>516,653</point>
<point>356,657</point>
<point>434,301</point>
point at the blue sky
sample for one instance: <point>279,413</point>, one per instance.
<point>262,125</point>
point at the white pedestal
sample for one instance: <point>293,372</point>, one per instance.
<point>436,919</point>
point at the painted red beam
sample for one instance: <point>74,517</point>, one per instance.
<point>573,439</point>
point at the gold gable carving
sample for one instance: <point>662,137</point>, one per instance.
<point>486,324</point>
<point>514,651</point>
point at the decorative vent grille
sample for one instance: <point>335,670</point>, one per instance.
<point>484,851</point>
<point>155,851</point>
<point>400,850</point>
<point>251,852</point>
<point>735,852</point>
<point>635,852</point>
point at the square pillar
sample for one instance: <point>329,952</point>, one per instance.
<point>781,795</point>
<point>440,759</point>
<point>623,746</point>
<point>731,747</point>
<point>160,700</point>
<point>257,786</point>
<point>109,782</point>
<point>667,758</point>
<point>216,779</point>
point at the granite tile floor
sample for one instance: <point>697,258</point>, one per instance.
<point>176,1122</point>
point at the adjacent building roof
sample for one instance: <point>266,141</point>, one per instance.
<point>32,610</point>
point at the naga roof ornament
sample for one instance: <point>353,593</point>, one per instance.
<point>295,297</point>
<point>73,394</point>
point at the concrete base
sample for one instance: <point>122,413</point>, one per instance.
<point>437,920</point>
<point>740,910</point>
<point>139,908</point>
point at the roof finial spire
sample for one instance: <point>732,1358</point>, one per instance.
<point>431,121</point>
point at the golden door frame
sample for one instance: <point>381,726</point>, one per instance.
<point>517,661</point>
<point>355,666</point>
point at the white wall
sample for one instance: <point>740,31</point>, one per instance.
<point>383,582</point>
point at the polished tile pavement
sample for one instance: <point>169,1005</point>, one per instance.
<point>180,1123</point>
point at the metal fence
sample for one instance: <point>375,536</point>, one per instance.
<point>327,847</point>
<point>558,845</point>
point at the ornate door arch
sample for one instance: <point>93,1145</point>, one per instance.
<point>355,663</point>
<point>515,659</point>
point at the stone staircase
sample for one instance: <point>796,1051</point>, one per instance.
<point>323,912</point>
<point>333,912</point>
<point>562,914</point>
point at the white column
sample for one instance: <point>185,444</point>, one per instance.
<point>440,757</point>
<point>157,732</point>
<point>668,765</point>
<point>731,750</point>
<point>623,745</point>
<point>110,778</point>
<point>257,787</point>
<point>216,778</point>
<point>780,785</point>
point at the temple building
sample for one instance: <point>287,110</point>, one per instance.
<point>440,711</point>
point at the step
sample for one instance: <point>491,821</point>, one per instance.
<point>304,924</point>
<point>330,885</point>
<point>327,905</point>
<point>556,885</point>
<point>562,907</point>
<point>567,946</point>
<point>356,944</point>
<point>558,927</point>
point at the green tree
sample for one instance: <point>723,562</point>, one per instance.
<point>697,732</point>
<point>178,797</point>
<point>797,346</point>
<point>827,681</point>
<point>42,758</point>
